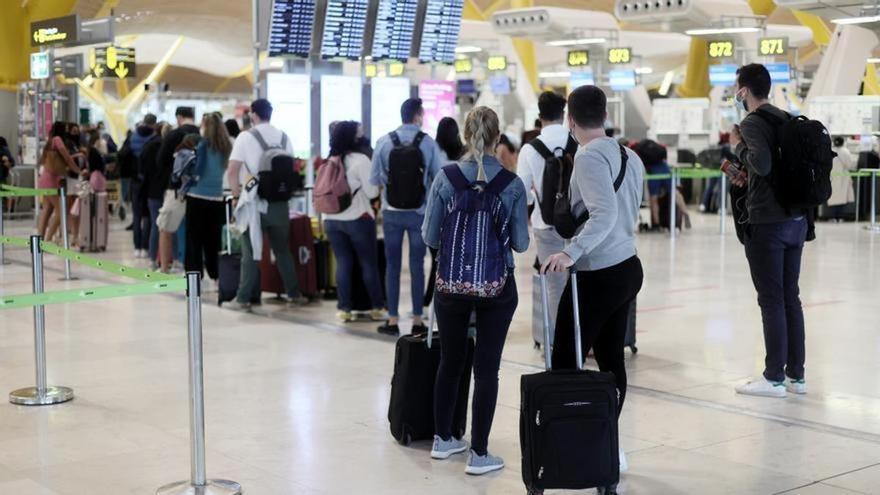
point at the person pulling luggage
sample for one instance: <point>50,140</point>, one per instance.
<point>475,273</point>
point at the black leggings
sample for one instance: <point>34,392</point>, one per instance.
<point>204,225</point>
<point>493,321</point>
<point>604,298</point>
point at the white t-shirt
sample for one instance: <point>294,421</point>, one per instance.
<point>530,167</point>
<point>357,171</point>
<point>248,151</point>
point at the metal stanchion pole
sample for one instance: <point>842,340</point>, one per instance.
<point>42,394</point>
<point>62,193</point>
<point>858,194</point>
<point>873,226</point>
<point>198,484</point>
<point>722,209</point>
<point>672,190</point>
<point>2,232</point>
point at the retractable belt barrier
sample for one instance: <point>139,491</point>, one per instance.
<point>7,191</point>
<point>15,191</point>
<point>151,283</point>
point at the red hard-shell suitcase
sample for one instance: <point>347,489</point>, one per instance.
<point>302,246</point>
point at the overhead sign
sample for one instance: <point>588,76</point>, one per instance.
<point>619,55</point>
<point>113,62</point>
<point>582,78</point>
<point>440,30</point>
<point>344,25</point>
<point>722,74</point>
<point>371,71</point>
<point>464,65</point>
<point>578,58</point>
<point>395,69</point>
<point>466,86</point>
<point>769,47</point>
<point>393,33</point>
<point>721,49</point>
<point>497,62</point>
<point>622,80</point>
<point>500,84</point>
<point>438,100</point>
<point>779,73</point>
<point>290,32</point>
<point>58,31</point>
<point>40,65</point>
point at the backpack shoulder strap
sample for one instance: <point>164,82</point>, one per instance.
<point>395,138</point>
<point>541,148</point>
<point>571,147</point>
<point>417,142</point>
<point>770,118</point>
<point>283,141</point>
<point>501,180</point>
<point>624,158</point>
<point>259,137</point>
<point>456,177</point>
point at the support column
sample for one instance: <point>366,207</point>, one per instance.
<point>696,78</point>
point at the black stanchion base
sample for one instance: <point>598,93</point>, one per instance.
<point>214,487</point>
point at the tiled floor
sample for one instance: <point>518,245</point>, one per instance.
<point>297,403</point>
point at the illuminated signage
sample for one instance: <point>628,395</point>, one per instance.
<point>112,61</point>
<point>582,78</point>
<point>464,65</point>
<point>396,69</point>
<point>772,46</point>
<point>498,62</point>
<point>578,58</point>
<point>622,80</point>
<point>722,74</point>
<point>40,65</point>
<point>619,55</point>
<point>57,31</point>
<point>779,73</point>
<point>721,49</point>
<point>371,70</point>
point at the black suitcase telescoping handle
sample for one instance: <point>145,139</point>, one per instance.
<point>227,208</point>
<point>548,348</point>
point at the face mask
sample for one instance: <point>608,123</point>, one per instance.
<point>740,102</point>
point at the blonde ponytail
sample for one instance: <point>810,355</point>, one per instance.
<point>481,133</point>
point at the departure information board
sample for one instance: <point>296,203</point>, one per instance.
<point>291,31</point>
<point>344,29</point>
<point>395,22</point>
<point>440,32</point>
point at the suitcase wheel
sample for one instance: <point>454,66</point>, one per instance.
<point>535,491</point>
<point>405,439</point>
<point>537,345</point>
<point>634,349</point>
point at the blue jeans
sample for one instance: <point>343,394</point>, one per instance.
<point>396,224</point>
<point>774,253</point>
<point>154,206</point>
<point>352,239</point>
<point>179,242</point>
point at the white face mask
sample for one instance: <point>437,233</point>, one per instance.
<point>740,101</point>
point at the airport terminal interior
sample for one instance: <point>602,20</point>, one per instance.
<point>743,139</point>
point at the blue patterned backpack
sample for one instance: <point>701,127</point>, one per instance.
<point>474,238</point>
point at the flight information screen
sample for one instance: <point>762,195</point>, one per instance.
<point>344,29</point>
<point>440,32</point>
<point>291,31</point>
<point>395,22</point>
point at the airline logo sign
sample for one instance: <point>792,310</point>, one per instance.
<point>57,31</point>
<point>112,62</point>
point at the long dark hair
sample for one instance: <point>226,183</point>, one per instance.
<point>343,138</point>
<point>449,138</point>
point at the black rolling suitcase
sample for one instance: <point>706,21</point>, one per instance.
<point>568,422</point>
<point>411,409</point>
<point>229,266</point>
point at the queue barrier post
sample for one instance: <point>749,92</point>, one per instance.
<point>42,394</point>
<point>673,183</point>
<point>858,194</point>
<point>873,227</point>
<point>198,484</point>
<point>722,210</point>
<point>62,202</point>
<point>2,233</point>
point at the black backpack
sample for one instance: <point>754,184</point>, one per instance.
<point>802,161</point>
<point>564,221</point>
<point>276,174</point>
<point>406,174</point>
<point>558,165</point>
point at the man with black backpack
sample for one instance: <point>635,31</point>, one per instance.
<point>405,163</point>
<point>789,162</point>
<point>544,166</point>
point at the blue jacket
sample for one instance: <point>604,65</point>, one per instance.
<point>140,138</point>
<point>514,199</point>
<point>210,167</point>
<point>434,159</point>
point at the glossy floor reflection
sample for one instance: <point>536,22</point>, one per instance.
<point>297,403</point>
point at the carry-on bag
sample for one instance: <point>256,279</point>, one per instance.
<point>568,420</point>
<point>301,243</point>
<point>411,409</point>
<point>93,221</point>
<point>229,265</point>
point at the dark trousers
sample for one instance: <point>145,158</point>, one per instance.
<point>774,253</point>
<point>493,320</point>
<point>140,216</point>
<point>205,220</point>
<point>355,240</point>
<point>604,298</point>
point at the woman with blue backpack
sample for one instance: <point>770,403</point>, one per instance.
<point>476,217</point>
<point>205,209</point>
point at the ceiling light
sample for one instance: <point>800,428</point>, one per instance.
<point>857,20</point>
<point>276,63</point>
<point>667,83</point>
<point>874,60</point>
<point>468,49</point>
<point>554,75</point>
<point>575,42</point>
<point>644,70</point>
<point>730,30</point>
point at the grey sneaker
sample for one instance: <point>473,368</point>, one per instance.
<point>237,306</point>
<point>443,449</point>
<point>482,464</point>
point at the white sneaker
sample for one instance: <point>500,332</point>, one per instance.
<point>798,387</point>
<point>761,387</point>
<point>624,466</point>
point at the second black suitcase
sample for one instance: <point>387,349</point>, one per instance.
<point>568,422</point>
<point>411,409</point>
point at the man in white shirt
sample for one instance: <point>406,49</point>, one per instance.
<point>530,167</point>
<point>244,162</point>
